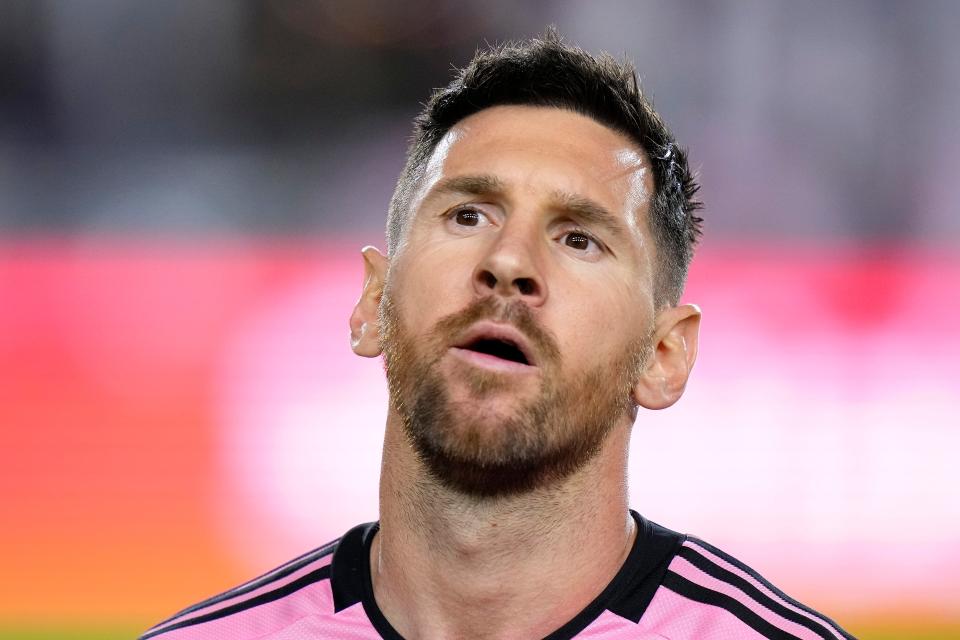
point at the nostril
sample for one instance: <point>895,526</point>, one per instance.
<point>525,286</point>
<point>488,279</point>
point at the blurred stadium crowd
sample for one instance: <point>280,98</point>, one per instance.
<point>225,117</point>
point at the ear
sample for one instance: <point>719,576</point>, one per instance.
<point>674,352</point>
<point>365,321</point>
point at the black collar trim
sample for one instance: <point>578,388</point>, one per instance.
<point>349,564</point>
<point>627,595</point>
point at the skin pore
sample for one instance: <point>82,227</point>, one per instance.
<point>503,490</point>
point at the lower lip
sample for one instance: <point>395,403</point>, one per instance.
<point>493,363</point>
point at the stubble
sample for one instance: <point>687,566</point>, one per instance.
<point>483,454</point>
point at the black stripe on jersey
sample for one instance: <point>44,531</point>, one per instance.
<point>252,585</point>
<point>693,591</point>
<point>756,576</point>
<point>261,581</point>
<point>710,568</point>
<point>322,573</point>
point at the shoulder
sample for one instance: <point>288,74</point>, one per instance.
<point>223,615</point>
<point>707,593</point>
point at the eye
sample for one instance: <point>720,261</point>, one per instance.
<point>577,240</point>
<point>581,241</point>
<point>468,217</point>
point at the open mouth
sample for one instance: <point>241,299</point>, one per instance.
<point>498,345</point>
<point>498,348</point>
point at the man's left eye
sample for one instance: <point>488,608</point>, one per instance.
<point>579,241</point>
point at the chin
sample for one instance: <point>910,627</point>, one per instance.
<point>485,425</point>
<point>485,465</point>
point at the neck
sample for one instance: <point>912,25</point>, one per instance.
<point>447,565</point>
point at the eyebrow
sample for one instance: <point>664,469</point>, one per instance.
<point>578,207</point>
<point>471,185</point>
<point>588,212</point>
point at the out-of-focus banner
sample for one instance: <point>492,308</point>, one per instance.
<point>176,418</point>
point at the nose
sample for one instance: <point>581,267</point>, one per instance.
<point>511,267</point>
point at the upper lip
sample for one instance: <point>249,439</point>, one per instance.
<point>489,330</point>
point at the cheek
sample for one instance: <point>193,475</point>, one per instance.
<point>597,323</point>
<point>430,285</point>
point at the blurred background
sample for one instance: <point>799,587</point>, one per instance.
<point>184,190</point>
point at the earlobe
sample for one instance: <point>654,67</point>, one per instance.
<point>672,357</point>
<point>364,321</point>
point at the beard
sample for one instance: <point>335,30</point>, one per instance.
<point>475,451</point>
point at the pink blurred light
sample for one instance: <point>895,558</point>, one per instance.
<point>821,414</point>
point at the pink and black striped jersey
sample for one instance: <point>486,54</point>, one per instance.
<point>671,587</point>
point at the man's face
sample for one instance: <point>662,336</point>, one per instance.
<point>518,307</point>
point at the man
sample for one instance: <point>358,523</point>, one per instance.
<point>527,308</point>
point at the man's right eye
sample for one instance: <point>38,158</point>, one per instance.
<point>467,217</point>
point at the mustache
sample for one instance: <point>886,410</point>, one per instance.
<point>514,312</point>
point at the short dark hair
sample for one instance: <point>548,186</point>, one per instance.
<point>547,72</point>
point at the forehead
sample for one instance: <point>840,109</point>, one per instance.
<point>545,148</point>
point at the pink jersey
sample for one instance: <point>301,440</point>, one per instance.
<point>671,587</point>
